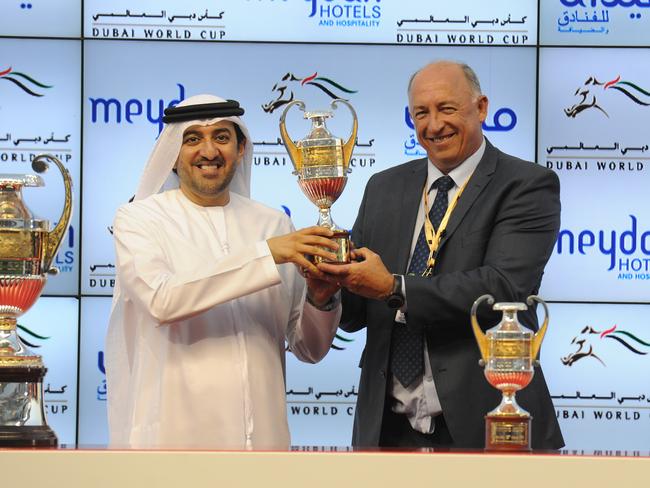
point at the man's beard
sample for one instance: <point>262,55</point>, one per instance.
<point>210,187</point>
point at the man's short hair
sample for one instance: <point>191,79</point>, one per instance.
<point>470,76</point>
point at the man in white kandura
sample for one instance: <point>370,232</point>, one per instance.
<point>203,303</point>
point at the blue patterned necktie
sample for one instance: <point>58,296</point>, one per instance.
<point>407,355</point>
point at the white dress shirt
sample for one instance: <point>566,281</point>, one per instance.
<point>419,401</point>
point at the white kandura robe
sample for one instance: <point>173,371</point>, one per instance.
<point>196,339</point>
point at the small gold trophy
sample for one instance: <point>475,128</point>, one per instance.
<point>322,162</point>
<point>27,248</point>
<point>509,353</point>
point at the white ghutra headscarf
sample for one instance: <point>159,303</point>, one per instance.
<point>158,175</point>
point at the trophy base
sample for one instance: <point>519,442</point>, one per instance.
<point>342,238</point>
<point>27,436</point>
<point>507,433</point>
<point>21,407</point>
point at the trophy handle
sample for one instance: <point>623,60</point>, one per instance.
<point>292,149</point>
<point>539,335</point>
<point>478,333</point>
<point>40,165</point>
<point>348,147</point>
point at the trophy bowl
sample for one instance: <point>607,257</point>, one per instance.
<point>27,249</point>
<point>508,355</point>
<point>18,294</point>
<point>321,162</point>
<point>323,192</point>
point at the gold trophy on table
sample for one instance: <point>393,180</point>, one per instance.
<point>27,249</point>
<point>508,353</point>
<point>322,162</point>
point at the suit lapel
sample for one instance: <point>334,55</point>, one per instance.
<point>414,182</point>
<point>477,182</point>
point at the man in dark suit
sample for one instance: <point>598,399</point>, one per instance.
<point>491,221</point>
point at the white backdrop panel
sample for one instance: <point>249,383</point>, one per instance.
<point>504,22</point>
<point>128,115</point>
<point>463,22</point>
<point>52,18</point>
<point>51,328</point>
<point>593,123</point>
<point>93,425</point>
<point>40,89</point>
<point>321,398</point>
<point>595,360</point>
<point>594,22</point>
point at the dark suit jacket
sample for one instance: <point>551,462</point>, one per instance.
<point>498,241</point>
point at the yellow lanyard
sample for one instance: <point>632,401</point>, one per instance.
<point>433,239</point>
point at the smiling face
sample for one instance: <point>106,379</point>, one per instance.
<point>207,162</point>
<point>448,113</point>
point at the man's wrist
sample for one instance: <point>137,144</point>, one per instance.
<point>395,298</point>
<point>331,303</point>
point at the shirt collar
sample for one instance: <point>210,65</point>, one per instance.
<point>461,173</point>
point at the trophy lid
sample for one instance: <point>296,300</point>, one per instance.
<point>13,181</point>
<point>509,323</point>
<point>509,306</point>
<point>13,212</point>
<point>322,114</point>
<point>319,134</point>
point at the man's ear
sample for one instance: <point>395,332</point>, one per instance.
<point>482,104</point>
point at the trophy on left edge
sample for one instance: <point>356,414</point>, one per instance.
<point>27,249</point>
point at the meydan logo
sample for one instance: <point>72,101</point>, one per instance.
<point>589,93</point>
<point>589,339</point>
<point>113,110</point>
<point>627,251</point>
<point>26,83</point>
<point>289,83</point>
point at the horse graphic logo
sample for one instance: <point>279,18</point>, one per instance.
<point>589,338</point>
<point>592,88</point>
<point>284,89</point>
<point>26,83</point>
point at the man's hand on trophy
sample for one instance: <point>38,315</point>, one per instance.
<point>366,275</point>
<point>311,241</point>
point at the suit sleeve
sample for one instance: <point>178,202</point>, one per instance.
<point>520,243</point>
